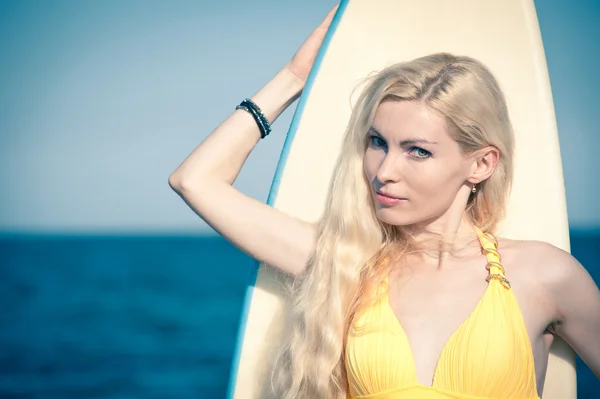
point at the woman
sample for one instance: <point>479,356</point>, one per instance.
<point>420,187</point>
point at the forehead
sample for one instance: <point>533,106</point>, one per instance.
<point>410,119</point>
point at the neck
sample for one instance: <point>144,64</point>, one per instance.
<point>450,236</point>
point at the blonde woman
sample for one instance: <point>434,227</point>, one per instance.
<point>402,290</point>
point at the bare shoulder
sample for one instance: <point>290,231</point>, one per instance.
<point>542,274</point>
<point>547,264</point>
<point>535,255</point>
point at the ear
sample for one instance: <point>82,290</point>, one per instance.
<point>484,164</point>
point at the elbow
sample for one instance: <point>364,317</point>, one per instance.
<point>182,184</point>
<point>176,182</point>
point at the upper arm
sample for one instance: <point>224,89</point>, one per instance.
<point>577,305</point>
<point>265,233</point>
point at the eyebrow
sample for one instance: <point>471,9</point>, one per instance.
<point>416,140</point>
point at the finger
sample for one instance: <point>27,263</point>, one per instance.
<point>330,15</point>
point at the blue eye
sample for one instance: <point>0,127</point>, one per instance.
<point>377,141</point>
<point>420,153</point>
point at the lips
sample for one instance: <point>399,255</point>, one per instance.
<point>384,194</point>
<point>387,199</point>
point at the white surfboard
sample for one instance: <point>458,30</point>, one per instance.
<point>367,36</point>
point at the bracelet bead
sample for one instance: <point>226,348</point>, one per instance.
<point>261,120</point>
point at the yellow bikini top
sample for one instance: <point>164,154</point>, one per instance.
<point>489,356</point>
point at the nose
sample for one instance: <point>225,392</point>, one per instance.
<point>389,170</point>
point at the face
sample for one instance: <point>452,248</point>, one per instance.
<point>416,170</point>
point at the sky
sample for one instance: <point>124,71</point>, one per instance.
<point>101,100</point>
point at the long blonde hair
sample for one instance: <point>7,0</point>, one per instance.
<point>355,249</point>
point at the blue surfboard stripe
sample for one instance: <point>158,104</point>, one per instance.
<point>287,145</point>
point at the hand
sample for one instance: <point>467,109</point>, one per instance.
<point>302,62</point>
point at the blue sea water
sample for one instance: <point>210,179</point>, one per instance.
<point>125,317</point>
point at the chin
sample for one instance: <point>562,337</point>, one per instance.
<point>395,217</point>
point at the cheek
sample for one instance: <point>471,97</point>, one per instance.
<point>436,181</point>
<point>371,164</point>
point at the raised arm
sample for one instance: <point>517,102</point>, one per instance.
<point>204,179</point>
<point>577,304</point>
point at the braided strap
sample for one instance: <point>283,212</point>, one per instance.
<point>491,263</point>
<point>492,251</point>
<point>501,278</point>
<point>492,238</point>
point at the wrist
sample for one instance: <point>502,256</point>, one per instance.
<point>287,84</point>
<point>295,80</point>
<point>279,93</point>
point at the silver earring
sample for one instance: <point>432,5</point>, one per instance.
<point>474,189</point>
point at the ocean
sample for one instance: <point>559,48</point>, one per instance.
<point>123,317</point>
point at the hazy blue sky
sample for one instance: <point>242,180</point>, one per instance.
<point>101,100</point>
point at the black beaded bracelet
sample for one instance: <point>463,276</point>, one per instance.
<point>251,104</point>
<point>257,119</point>
<point>261,120</point>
